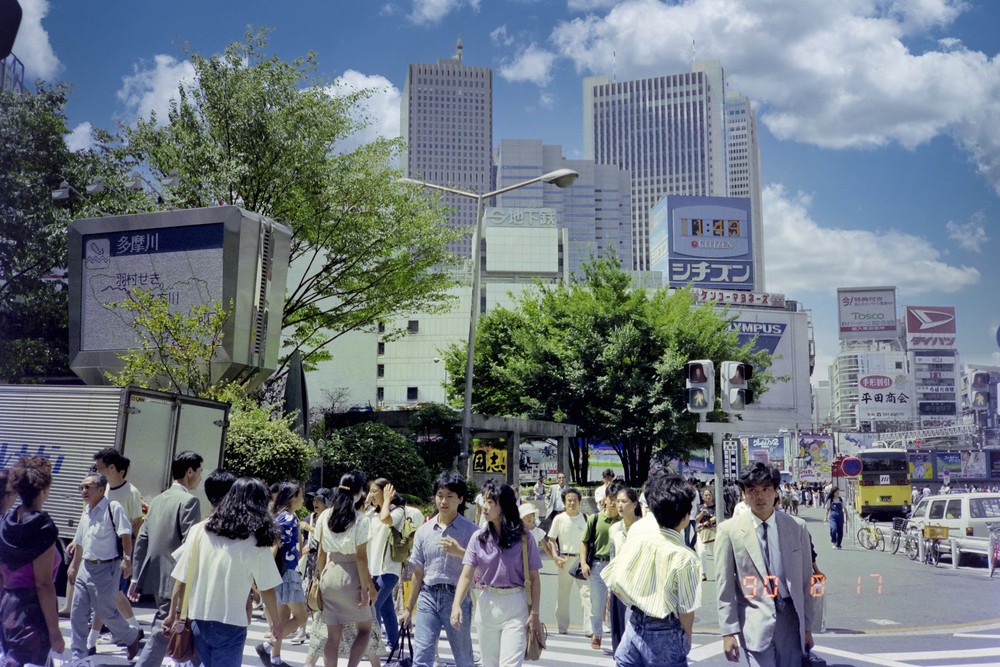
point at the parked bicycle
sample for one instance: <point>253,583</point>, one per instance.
<point>899,524</point>
<point>933,536</point>
<point>911,542</point>
<point>870,536</point>
<point>994,549</point>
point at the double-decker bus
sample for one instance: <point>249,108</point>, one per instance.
<point>883,487</point>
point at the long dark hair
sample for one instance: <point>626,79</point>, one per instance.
<point>633,497</point>
<point>343,508</point>
<point>511,526</point>
<point>244,512</point>
<point>287,492</point>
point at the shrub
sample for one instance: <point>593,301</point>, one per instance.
<point>259,446</point>
<point>377,451</point>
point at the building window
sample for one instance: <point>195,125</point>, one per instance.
<point>380,371</point>
<point>381,327</point>
<point>381,348</point>
<point>413,326</point>
<point>380,394</point>
<point>411,393</point>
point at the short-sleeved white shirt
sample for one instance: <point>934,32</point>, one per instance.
<point>128,497</point>
<point>346,542</point>
<point>569,531</point>
<point>99,529</point>
<point>224,571</point>
<point>379,560</point>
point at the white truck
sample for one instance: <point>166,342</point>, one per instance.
<point>68,424</point>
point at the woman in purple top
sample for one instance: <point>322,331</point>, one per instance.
<point>494,555</point>
<point>29,561</point>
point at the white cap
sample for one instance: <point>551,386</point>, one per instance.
<point>527,509</point>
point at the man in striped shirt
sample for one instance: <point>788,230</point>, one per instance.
<point>659,578</point>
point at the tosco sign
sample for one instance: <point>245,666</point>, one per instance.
<point>867,312</point>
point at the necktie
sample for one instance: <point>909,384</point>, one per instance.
<point>779,603</point>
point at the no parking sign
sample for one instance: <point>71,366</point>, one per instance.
<point>851,466</point>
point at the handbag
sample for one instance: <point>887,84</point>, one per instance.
<point>314,596</point>
<point>575,571</point>
<point>180,646</point>
<point>810,659</point>
<point>533,649</point>
<point>405,637</point>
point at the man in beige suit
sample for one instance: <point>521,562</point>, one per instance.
<point>763,565</point>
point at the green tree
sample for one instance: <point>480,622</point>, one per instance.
<point>436,432</point>
<point>264,133</point>
<point>377,451</point>
<point>607,356</point>
<point>175,349</point>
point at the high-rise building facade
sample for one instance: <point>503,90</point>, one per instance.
<point>668,132</point>
<point>743,168</point>
<point>596,211</point>
<point>447,120</point>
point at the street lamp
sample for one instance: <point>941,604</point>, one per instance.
<point>562,178</point>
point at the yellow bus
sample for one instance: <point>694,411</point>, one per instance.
<point>883,487</point>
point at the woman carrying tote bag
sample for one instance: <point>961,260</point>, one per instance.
<point>494,557</point>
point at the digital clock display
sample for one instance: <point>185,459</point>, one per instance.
<point>717,227</point>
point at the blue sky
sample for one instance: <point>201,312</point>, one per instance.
<point>878,118</point>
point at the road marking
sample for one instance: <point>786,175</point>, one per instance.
<point>882,621</point>
<point>970,635</point>
<point>705,651</point>
<point>940,655</point>
<point>862,657</point>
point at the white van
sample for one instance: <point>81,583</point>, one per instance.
<point>964,514</point>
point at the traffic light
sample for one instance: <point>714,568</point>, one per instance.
<point>736,393</point>
<point>699,379</point>
<point>979,390</point>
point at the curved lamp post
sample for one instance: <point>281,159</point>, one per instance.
<point>562,178</point>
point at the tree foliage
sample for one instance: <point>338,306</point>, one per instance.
<point>175,349</point>
<point>436,432</point>
<point>607,356</point>
<point>377,451</point>
<point>264,134</point>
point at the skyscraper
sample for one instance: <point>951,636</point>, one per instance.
<point>447,121</point>
<point>670,133</point>
<point>743,167</point>
<point>596,211</point>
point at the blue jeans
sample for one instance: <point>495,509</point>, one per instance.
<point>598,596</point>
<point>219,644</point>
<point>385,610</point>
<point>652,642</point>
<point>433,613</point>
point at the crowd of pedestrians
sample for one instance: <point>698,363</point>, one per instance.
<point>636,565</point>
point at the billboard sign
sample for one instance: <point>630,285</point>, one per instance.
<point>884,397</point>
<point>734,298</point>
<point>931,328</point>
<point>866,312</point>
<point>921,466</point>
<point>815,457</point>
<point>705,242</point>
<point>764,335</point>
<point>768,449</point>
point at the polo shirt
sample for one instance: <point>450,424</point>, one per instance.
<point>602,539</point>
<point>440,567</point>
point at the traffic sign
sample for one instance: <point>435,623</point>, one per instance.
<point>851,466</point>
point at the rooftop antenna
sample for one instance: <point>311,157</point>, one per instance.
<point>458,50</point>
<point>614,65</point>
<point>694,52</point>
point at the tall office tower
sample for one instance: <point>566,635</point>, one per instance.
<point>595,212</point>
<point>743,166</point>
<point>670,133</point>
<point>447,120</point>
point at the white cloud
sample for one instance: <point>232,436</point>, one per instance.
<point>432,11</point>
<point>532,64</point>
<point>970,235</point>
<point>81,137</point>
<point>501,37</point>
<point>589,5</point>
<point>546,100</point>
<point>379,111</point>
<point>152,85</point>
<point>832,74</point>
<point>32,46</point>
<point>803,256</point>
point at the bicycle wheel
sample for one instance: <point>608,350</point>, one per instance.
<point>894,541</point>
<point>864,538</point>
<point>910,545</point>
<point>933,554</point>
<point>879,539</point>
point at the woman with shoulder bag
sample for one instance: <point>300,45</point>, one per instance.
<point>345,583</point>
<point>706,530</point>
<point>219,562</point>
<point>386,512</point>
<point>496,556</point>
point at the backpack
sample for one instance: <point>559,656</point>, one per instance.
<point>401,541</point>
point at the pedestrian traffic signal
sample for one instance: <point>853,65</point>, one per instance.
<point>736,393</point>
<point>699,381</point>
<point>979,390</point>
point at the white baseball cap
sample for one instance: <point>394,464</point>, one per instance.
<point>527,509</point>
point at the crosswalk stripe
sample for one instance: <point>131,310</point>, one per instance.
<point>862,657</point>
<point>940,655</point>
